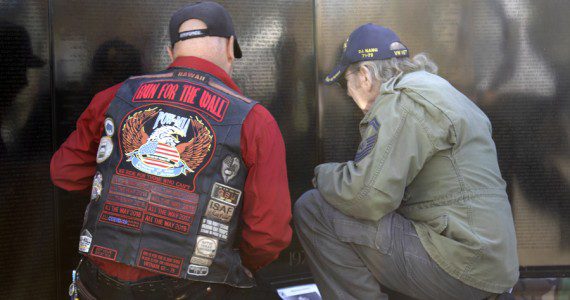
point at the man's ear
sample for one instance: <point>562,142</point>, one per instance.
<point>365,78</point>
<point>170,54</point>
<point>230,49</point>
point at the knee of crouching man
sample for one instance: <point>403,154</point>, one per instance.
<point>302,208</point>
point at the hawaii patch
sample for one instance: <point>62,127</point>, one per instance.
<point>368,144</point>
<point>167,142</point>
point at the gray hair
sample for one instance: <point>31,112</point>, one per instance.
<point>384,70</point>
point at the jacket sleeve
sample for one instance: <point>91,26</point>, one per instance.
<point>73,164</point>
<point>388,160</point>
<point>267,204</point>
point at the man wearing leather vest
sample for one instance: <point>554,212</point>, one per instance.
<point>189,191</point>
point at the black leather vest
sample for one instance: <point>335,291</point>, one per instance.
<point>167,194</point>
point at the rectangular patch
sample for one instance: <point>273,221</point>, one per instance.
<point>165,223</point>
<point>169,213</point>
<point>180,92</point>
<point>103,252</point>
<point>206,246</point>
<point>129,191</point>
<point>160,263</point>
<point>220,211</point>
<point>197,260</point>
<point>126,200</point>
<point>122,210</point>
<point>120,221</point>
<point>215,229</point>
<point>173,203</point>
<point>226,194</point>
<point>198,270</point>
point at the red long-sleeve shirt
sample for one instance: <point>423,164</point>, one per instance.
<point>266,208</point>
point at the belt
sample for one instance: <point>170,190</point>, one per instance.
<point>93,283</point>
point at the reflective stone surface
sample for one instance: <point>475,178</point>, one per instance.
<point>27,212</point>
<point>509,56</point>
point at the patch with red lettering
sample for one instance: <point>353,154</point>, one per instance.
<point>186,94</point>
<point>103,252</point>
<point>165,144</point>
<point>132,202</point>
<point>160,262</point>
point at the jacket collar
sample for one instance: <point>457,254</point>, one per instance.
<point>203,65</point>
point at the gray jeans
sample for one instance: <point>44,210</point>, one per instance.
<point>350,258</point>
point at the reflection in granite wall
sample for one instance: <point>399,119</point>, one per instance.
<point>27,240</point>
<point>511,58</point>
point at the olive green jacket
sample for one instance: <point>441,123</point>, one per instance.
<point>427,153</point>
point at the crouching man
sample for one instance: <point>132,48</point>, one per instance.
<point>422,208</point>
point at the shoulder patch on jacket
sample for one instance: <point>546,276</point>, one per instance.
<point>368,144</point>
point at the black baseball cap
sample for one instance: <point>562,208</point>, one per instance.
<point>217,19</point>
<point>368,42</point>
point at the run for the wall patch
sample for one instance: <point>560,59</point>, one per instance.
<point>215,229</point>
<point>189,95</point>
<point>220,211</point>
<point>230,168</point>
<point>160,262</point>
<point>198,270</point>
<point>103,252</point>
<point>226,194</point>
<point>166,142</point>
<point>105,149</point>
<point>206,246</point>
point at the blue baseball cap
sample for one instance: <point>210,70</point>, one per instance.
<point>368,42</point>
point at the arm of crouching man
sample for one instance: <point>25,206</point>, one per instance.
<point>388,159</point>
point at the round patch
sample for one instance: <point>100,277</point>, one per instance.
<point>97,186</point>
<point>109,127</point>
<point>105,149</point>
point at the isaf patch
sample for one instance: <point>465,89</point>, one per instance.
<point>220,211</point>
<point>226,194</point>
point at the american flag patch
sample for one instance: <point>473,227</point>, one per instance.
<point>159,155</point>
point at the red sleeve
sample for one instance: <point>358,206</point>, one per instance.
<point>267,204</point>
<point>73,164</point>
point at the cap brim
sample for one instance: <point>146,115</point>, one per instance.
<point>335,74</point>
<point>237,49</point>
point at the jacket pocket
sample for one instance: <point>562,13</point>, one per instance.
<point>375,235</point>
<point>439,224</point>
